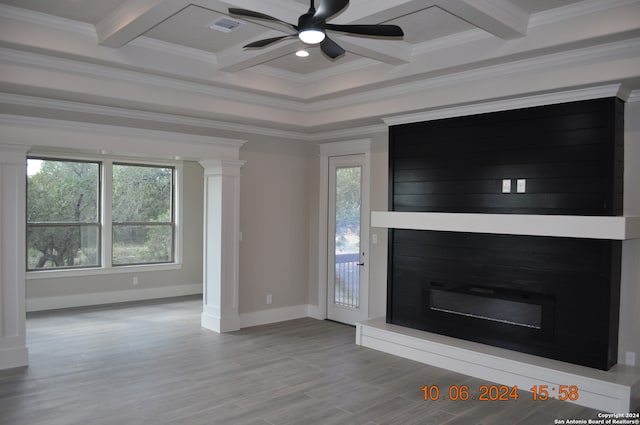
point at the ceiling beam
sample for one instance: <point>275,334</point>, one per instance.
<point>498,17</point>
<point>379,11</point>
<point>133,18</point>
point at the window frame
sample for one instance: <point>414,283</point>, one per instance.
<point>97,224</point>
<point>172,223</point>
<point>106,267</point>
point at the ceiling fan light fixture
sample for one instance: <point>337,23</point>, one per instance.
<point>311,36</point>
<point>302,53</point>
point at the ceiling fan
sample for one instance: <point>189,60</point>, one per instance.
<point>312,26</point>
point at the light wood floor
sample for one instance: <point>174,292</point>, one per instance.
<point>152,363</point>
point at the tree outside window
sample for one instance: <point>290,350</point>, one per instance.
<point>142,214</point>
<point>62,214</point>
<point>64,210</point>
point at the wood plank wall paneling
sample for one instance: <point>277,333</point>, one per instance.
<point>572,156</point>
<point>565,153</point>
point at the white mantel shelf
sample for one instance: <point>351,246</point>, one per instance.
<point>589,227</point>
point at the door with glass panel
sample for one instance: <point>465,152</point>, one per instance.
<point>347,292</point>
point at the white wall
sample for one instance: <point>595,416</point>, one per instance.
<point>274,221</point>
<point>379,202</point>
<point>629,336</point>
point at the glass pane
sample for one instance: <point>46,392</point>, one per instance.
<point>142,193</point>
<point>141,244</point>
<point>62,191</point>
<point>347,248</point>
<point>62,246</point>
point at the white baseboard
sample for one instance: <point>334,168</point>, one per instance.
<point>274,315</point>
<point>97,298</point>
<point>14,357</point>
<point>316,312</point>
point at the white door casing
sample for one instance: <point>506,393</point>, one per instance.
<point>350,150</point>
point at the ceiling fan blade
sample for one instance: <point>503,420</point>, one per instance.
<point>331,49</point>
<point>267,41</point>
<point>258,15</point>
<point>373,30</point>
<point>328,8</point>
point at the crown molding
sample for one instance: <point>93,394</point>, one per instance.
<point>110,111</point>
<point>334,70</point>
<point>112,130</point>
<point>51,21</point>
<point>634,96</point>
<point>347,133</point>
<point>580,8</point>
<point>142,78</point>
<point>79,107</point>
<point>594,53</point>
<point>612,90</point>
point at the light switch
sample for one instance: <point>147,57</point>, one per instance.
<point>506,186</point>
<point>521,185</point>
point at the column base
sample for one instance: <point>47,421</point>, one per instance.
<point>14,357</point>
<point>220,324</point>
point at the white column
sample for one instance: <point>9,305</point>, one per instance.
<point>13,344</point>
<point>221,244</point>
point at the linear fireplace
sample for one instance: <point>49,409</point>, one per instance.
<point>506,307</point>
<point>555,297</point>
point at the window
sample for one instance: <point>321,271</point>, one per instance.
<point>142,214</point>
<point>63,228</point>
<point>74,222</point>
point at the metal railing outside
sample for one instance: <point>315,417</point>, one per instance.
<point>347,280</point>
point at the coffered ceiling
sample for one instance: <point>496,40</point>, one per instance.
<point>172,42</point>
<point>186,23</point>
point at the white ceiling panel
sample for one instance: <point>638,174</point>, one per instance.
<point>429,24</point>
<point>190,27</point>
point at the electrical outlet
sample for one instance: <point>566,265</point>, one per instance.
<point>506,186</point>
<point>630,358</point>
<point>374,238</point>
<point>135,280</point>
<point>269,299</point>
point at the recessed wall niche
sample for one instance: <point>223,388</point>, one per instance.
<point>548,296</point>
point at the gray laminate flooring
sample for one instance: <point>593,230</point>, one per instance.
<point>152,363</point>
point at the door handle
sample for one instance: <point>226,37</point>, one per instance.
<point>361,264</point>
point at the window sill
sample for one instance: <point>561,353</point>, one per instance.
<point>101,271</point>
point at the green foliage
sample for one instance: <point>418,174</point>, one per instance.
<point>348,182</point>
<point>65,194</point>
<point>348,197</point>
<point>141,194</point>
<point>62,192</point>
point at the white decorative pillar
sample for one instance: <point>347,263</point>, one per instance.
<point>221,244</point>
<point>13,343</point>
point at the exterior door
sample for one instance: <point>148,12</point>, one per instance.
<point>347,292</point>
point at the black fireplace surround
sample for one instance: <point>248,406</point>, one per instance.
<point>548,296</point>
